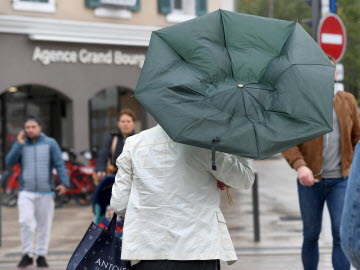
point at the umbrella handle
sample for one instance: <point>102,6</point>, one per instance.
<point>213,152</point>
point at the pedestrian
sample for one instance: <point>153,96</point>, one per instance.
<point>106,162</point>
<point>170,195</point>
<point>37,154</point>
<point>323,166</point>
<point>350,223</point>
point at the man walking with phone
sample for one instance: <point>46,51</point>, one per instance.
<point>37,154</point>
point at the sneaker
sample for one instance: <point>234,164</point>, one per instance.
<point>41,262</point>
<point>25,261</point>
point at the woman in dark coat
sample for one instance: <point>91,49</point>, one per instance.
<point>106,162</point>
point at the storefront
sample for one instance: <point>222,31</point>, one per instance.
<point>76,89</point>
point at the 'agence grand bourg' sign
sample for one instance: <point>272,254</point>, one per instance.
<point>84,56</point>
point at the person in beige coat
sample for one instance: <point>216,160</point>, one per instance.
<point>169,196</point>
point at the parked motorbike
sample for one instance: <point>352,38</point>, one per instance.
<point>81,178</point>
<point>11,186</point>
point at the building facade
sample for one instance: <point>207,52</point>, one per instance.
<point>75,63</point>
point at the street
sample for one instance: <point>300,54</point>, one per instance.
<point>281,227</point>
<point>252,77</point>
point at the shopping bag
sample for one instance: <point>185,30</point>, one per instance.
<point>99,249</point>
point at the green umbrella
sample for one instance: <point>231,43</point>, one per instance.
<point>237,83</point>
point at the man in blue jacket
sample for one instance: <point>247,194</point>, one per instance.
<point>37,155</point>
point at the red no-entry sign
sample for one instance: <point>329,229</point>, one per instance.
<point>332,36</point>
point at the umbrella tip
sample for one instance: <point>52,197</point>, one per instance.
<point>240,85</point>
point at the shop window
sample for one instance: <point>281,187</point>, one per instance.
<point>35,5</point>
<point>49,105</point>
<point>104,108</point>
<point>182,10</point>
<point>178,5</point>
<point>121,9</point>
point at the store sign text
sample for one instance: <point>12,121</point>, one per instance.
<point>84,56</point>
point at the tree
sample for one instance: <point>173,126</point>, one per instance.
<point>294,10</point>
<point>349,12</point>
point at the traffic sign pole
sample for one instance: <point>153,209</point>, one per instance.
<point>316,13</point>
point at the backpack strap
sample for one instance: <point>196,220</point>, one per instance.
<point>113,148</point>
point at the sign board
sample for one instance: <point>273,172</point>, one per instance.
<point>338,87</point>
<point>85,56</point>
<point>339,72</point>
<point>332,36</point>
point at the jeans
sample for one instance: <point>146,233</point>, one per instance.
<point>350,223</point>
<point>312,200</point>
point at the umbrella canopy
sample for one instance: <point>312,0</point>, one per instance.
<point>237,83</point>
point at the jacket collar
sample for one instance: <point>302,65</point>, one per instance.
<point>119,134</point>
<point>39,139</point>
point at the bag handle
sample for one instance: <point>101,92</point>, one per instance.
<point>113,148</point>
<point>112,226</point>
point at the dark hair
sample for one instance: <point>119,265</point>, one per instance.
<point>127,112</point>
<point>32,118</point>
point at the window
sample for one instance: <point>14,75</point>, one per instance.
<point>178,5</point>
<point>103,111</point>
<point>35,5</point>
<point>182,10</point>
<point>113,12</point>
<point>121,9</point>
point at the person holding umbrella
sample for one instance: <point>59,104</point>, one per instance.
<point>169,196</point>
<point>221,83</point>
<point>323,166</point>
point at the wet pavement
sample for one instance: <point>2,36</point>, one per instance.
<point>280,226</point>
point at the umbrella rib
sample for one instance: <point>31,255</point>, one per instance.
<point>281,52</point>
<point>169,46</point>
<point>256,100</point>
<point>183,60</point>
<point>223,27</point>
<point>298,117</point>
<point>265,89</point>
<point>252,122</point>
<point>293,65</point>
<point>284,113</point>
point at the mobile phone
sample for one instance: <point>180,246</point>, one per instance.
<point>24,134</point>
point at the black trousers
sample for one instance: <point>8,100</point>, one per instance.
<point>178,265</point>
